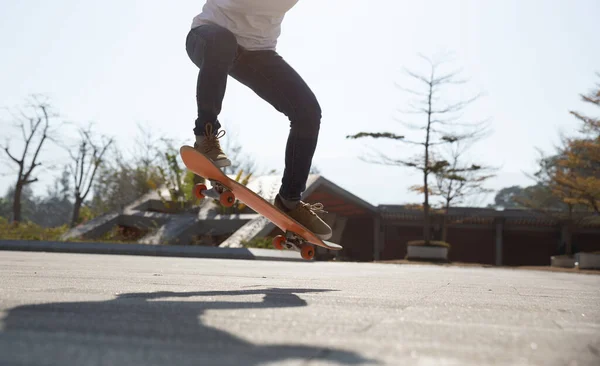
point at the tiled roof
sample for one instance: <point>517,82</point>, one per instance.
<point>318,189</point>
<point>267,186</point>
<point>486,216</point>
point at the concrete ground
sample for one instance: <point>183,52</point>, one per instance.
<point>86,309</point>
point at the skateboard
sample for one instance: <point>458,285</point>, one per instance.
<point>226,190</point>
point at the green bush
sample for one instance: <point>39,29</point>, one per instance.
<point>263,243</point>
<point>29,231</point>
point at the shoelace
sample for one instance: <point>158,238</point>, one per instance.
<point>314,208</point>
<point>212,141</point>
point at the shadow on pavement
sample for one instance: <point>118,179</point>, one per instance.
<point>150,329</point>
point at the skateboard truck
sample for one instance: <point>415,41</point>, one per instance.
<point>292,241</point>
<point>217,191</point>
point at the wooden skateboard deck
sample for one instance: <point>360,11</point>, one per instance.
<point>204,167</point>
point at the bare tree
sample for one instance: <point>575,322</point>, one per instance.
<point>124,177</point>
<point>442,124</point>
<point>148,148</point>
<point>148,155</point>
<point>34,123</point>
<point>84,165</point>
<point>459,179</point>
<point>240,160</point>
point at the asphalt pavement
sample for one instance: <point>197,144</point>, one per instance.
<point>93,309</point>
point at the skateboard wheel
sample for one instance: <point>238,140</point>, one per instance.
<point>278,242</point>
<point>227,198</point>
<point>198,188</point>
<point>307,252</point>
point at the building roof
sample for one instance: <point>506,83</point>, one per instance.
<point>486,216</point>
<point>318,189</point>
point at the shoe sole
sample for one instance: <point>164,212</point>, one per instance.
<point>223,163</point>
<point>323,237</point>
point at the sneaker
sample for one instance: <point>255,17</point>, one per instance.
<point>209,145</point>
<point>306,214</point>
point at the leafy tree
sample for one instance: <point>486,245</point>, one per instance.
<point>505,198</point>
<point>576,179</point>
<point>537,197</point>
<point>569,180</point>
<point>541,197</point>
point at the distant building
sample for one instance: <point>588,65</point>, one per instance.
<point>480,235</point>
<point>367,232</point>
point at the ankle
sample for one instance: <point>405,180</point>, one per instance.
<point>289,204</point>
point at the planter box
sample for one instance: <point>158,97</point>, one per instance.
<point>427,252</point>
<point>562,261</point>
<point>588,260</point>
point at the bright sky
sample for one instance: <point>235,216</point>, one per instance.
<point>120,62</point>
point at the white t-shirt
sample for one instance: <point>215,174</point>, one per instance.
<point>256,24</point>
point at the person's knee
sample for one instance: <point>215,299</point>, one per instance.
<point>307,118</point>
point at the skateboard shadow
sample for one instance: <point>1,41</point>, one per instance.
<point>154,328</point>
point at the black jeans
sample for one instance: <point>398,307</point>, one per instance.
<point>215,51</point>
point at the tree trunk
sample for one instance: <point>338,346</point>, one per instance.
<point>76,210</point>
<point>566,228</point>
<point>445,222</point>
<point>427,223</point>
<point>17,202</point>
<point>569,243</point>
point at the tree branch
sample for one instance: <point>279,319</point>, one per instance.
<point>456,106</point>
<point>23,133</point>
<point>417,76</point>
<point>12,157</point>
<point>447,79</point>
<point>37,151</point>
<point>376,135</point>
<point>83,152</point>
<point>410,91</point>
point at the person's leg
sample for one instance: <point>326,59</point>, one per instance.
<point>213,49</point>
<point>274,80</point>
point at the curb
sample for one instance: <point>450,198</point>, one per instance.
<point>150,250</point>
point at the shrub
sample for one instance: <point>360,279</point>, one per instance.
<point>29,231</point>
<point>263,243</point>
